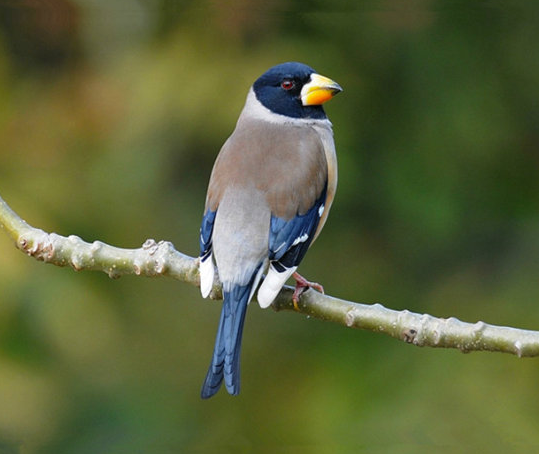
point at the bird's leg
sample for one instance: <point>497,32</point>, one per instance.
<point>301,285</point>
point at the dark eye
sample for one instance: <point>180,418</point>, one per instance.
<point>287,84</point>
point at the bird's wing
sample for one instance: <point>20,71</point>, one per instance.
<point>206,251</point>
<point>290,239</point>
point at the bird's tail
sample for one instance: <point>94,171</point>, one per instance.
<point>225,362</point>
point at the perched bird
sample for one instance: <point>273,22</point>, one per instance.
<point>269,195</point>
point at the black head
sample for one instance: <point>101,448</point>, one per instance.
<point>280,90</point>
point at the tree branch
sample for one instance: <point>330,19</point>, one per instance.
<point>161,259</point>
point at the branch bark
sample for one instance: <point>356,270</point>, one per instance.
<point>161,259</point>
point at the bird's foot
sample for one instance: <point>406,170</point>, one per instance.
<point>303,284</point>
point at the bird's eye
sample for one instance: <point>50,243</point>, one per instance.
<point>287,84</point>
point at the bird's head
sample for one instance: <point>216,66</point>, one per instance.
<point>295,90</point>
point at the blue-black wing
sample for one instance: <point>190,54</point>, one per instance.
<point>290,239</point>
<point>206,231</point>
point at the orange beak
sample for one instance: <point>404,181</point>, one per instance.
<point>319,90</point>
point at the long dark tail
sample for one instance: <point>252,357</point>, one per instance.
<point>226,354</point>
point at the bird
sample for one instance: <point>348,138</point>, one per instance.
<point>269,195</point>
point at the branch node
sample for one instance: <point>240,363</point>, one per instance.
<point>479,328</point>
<point>113,272</point>
<point>77,262</point>
<point>40,247</point>
<point>436,336</point>
<point>96,246</point>
<point>137,268</point>
<point>162,250</point>
<point>350,317</point>
<point>409,335</point>
<point>160,266</point>
<point>518,348</point>
<point>74,239</point>
<point>150,245</point>
<point>47,249</point>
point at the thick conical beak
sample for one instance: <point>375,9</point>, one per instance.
<point>319,90</point>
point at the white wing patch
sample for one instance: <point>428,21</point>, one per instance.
<point>272,284</point>
<point>207,272</point>
<point>300,239</point>
<point>321,210</point>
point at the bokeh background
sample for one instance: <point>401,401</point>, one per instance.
<point>111,115</point>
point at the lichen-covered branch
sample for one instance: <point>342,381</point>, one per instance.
<point>161,259</point>
<point>152,259</point>
<point>422,330</point>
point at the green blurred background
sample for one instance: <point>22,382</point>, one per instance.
<point>111,115</point>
